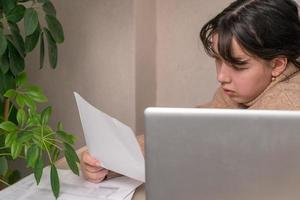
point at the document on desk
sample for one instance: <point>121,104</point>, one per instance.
<point>111,142</point>
<point>72,187</point>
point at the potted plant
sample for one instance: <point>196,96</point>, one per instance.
<point>25,132</point>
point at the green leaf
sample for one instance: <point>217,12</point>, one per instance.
<point>32,40</point>
<point>54,181</point>
<point>38,169</point>
<point>33,117</point>
<point>4,62</point>
<point>31,112</point>
<point>7,82</point>
<point>8,126</point>
<point>21,79</point>
<point>17,42</point>
<point>16,38</point>
<point>72,152</point>
<point>71,162</point>
<point>32,155</point>
<point>8,5</point>
<point>49,9</point>
<point>20,100</point>
<point>13,27</point>
<point>72,158</point>
<point>21,117</point>
<point>15,149</point>
<point>42,51</point>
<point>23,100</point>
<point>55,28</point>
<point>25,137</point>
<point>16,14</point>
<point>66,137</point>
<point>47,131</point>
<point>46,113</point>
<point>10,94</point>
<point>29,102</point>
<point>31,21</point>
<point>34,88</point>
<point>54,153</point>
<point>3,42</point>
<point>36,94</point>
<point>3,165</point>
<point>16,62</point>
<point>10,139</point>
<point>52,49</point>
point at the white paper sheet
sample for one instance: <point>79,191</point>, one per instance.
<point>72,187</point>
<point>111,142</point>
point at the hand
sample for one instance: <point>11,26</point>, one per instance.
<point>91,169</point>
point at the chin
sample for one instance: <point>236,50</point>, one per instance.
<point>239,100</point>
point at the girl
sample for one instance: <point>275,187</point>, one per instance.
<point>256,46</point>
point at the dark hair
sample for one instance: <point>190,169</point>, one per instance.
<point>264,28</point>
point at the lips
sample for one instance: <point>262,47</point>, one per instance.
<point>228,92</point>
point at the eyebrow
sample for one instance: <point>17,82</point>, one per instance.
<point>242,61</point>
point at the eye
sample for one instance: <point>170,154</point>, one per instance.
<point>238,68</point>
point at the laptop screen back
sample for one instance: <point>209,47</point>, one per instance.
<point>215,154</point>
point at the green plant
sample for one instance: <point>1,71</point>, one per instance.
<point>25,132</point>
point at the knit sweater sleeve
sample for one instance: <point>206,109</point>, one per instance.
<point>279,98</point>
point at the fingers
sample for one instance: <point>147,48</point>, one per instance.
<point>88,159</point>
<point>96,177</point>
<point>91,169</point>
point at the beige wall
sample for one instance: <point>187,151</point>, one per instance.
<point>125,55</point>
<point>145,15</point>
<point>185,74</point>
<point>97,60</point>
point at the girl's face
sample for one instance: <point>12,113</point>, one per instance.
<point>242,83</point>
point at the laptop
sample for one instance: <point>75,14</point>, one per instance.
<point>222,154</point>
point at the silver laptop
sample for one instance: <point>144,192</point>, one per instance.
<point>217,154</point>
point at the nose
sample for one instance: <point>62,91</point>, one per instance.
<point>223,73</point>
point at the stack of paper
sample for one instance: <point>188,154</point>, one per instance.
<point>111,142</point>
<point>72,188</point>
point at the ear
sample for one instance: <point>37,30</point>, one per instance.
<point>279,64</point>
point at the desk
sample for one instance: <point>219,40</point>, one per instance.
<point>139,193</point>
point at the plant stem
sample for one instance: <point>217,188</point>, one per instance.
<point>54,140</point>
<point>6,109</point>
<point>42,131</point>
<point>47,152</point>
<point>53,145</point>
<point>4,182</point>
<point>11,107</point>
<point>49,135</point>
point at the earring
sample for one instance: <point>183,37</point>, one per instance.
<point>273,78</point>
